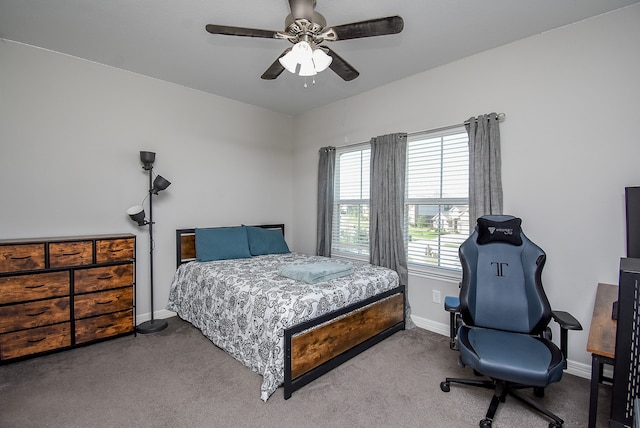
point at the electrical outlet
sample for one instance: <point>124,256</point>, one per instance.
<point>436,296</point>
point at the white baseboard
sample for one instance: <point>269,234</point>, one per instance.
<point>573,367</point>
<point>161,314</point>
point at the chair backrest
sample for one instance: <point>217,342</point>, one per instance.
<point>501,278</point>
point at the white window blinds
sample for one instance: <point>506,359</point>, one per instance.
<point>436,204</point>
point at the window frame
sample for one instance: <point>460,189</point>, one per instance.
<point>441,273</point>
<point>363,253</point>
<point>429,270</point>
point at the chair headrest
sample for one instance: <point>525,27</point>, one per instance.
<point>504,229</point>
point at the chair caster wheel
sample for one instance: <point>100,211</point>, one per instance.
<point>485,423</point>
<point>555,425</point>
<point>444,386</point>
<point>539,392</point>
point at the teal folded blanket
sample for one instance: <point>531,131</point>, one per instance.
<point>312,273</point>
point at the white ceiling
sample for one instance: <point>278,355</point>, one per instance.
<point>166,39</point>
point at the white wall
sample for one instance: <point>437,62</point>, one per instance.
<point>70,133</point>
<point>71,130</point>
<point>569,147</point>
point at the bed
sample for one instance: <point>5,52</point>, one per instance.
<point>287,330</point>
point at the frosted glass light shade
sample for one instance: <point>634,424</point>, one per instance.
<point>307,68</point>
<point>321,60</point>
<point>289,62</point>
<point>302,53</point>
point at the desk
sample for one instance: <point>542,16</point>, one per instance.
<point>601,342</point>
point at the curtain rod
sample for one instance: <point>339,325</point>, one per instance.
<point>501,117</point>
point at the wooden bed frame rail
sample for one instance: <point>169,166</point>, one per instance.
<point>317,346</point>
<point>314,347</point>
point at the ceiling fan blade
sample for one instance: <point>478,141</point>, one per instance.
<point>275,69</point>
<point>240,31</point>
<point>369,28</point>
<point>341,67</point>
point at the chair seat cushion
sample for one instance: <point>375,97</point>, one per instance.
<point>511,357</point>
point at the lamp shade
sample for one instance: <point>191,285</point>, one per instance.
<point>147,158</point>
<point>136,213</point>
<point>307,68</point>
<point>302,53</point>
<point>321,60</point>
<point>160,183</point>
<point>289,62</point>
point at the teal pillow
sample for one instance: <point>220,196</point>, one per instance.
<point>266,241</point>
<point>221,243</point>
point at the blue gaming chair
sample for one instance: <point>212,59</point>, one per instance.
<point>501,317</point>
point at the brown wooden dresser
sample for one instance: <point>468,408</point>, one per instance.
<point>57,293</point>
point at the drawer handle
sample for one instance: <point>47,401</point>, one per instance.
<point>35,315</point>
<point>36,340</point>
<point>106,326</point>
<point>116,250</point>
<point>21,258</point>
<point>72,254</point>
<point>35,286</point>
<point>104,303</point>
<point>105,277</point>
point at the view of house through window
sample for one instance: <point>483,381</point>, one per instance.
<point>436,202</point>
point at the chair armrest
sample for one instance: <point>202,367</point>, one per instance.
<point>452,304</point>
<point>566,320</point>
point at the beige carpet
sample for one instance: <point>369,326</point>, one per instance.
<point>177,378</point>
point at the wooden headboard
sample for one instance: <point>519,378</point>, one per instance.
<point>186,242</point>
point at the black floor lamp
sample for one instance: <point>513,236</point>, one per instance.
<point>137,214</point>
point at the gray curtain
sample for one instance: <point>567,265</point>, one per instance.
<point>386,216</point>
<point>485,180</point>
<point>326,169</point>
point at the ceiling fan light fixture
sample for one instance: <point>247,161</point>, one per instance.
<point>321,60</point>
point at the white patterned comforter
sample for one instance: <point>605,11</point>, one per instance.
<point>243,305</point>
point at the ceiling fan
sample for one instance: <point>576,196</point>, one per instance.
<point>306,29</point>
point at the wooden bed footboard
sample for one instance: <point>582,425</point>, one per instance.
<point>319,345</point>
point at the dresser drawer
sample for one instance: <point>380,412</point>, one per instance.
<point>102,278</point>
<point>34,314</point>
<point>19,257</point>
<point>104,326</point>
<point>35,340</point>
<point>102,302</point>
<point>68,254</point>
<point>114,250</point>
<point>22,288</point>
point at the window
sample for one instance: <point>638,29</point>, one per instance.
<point>437,199</point>
<point>436,203</point>
<point>350,227</point>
